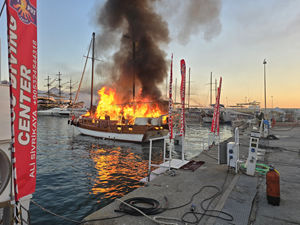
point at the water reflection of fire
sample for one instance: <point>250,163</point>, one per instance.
<point>109,107</point>
<point>118,164</point>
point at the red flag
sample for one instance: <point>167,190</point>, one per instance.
<point>170,102</point>
<point>22,55</point>
<point>218,112</point>
<point>182,93</point>
<point>216,116</point>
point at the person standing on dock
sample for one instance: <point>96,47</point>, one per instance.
<point>260,118</point>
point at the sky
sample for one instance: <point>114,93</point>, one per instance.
<point>248,32</point>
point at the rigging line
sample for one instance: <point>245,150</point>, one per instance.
<point>2,8</point>
<point>82,76</point>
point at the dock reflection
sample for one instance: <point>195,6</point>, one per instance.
<point>118,169</point>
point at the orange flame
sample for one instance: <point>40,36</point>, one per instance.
<point>108,106</point>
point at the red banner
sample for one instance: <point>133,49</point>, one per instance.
<point>216,117</point>
<point>182,96</point>
<point>218,112</point>
<point>22,55</point>
<point>170,101</point>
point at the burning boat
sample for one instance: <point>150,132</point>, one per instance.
<point>134,122</point>
<point>139,120</point>
<point>122,126</point>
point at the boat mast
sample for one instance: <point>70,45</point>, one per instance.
<point>210,88</point>
<point>92,85</point>
<point>48,85</point>
<point>71,91</point>
<point>189,94</point>
<point>59,86</point>
<point>216,89</point>
<point>133,56</point>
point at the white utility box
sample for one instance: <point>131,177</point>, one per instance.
<point>252,155</point>
<point>233,153</point>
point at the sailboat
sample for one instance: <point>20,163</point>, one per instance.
<point>122,127</point>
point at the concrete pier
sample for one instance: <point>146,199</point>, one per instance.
<point>240,196</point>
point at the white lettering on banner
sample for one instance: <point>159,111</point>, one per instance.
<point>13,61</point>
<point>34,70</point>
<point>33,137</point>
<point>32,170</point>
<point>24,120</point>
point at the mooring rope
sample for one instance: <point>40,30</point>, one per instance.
<point>54,213</point>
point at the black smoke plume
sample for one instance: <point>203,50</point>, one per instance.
<point>139,21</point>
<point>133,22</point>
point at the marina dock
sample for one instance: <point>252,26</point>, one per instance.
<point>221,196</point>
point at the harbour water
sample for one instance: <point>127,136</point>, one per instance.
<point>77,175</point>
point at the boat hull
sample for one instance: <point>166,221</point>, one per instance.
<point>134,133</point>
<point>124,136</point>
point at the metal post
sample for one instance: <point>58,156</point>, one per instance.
<point>0,49</point>
<point>150,153</point>
<point>175,90</point>
<point>210,88</point>
<point>265,62</point>
<point>170,153</point>
<point>189,90</point>
<point>183,147</point>
<point>164,155</point>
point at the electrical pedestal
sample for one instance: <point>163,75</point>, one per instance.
<point>252,156</point>
<point>233,152</point>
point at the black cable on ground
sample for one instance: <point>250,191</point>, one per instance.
<point>155,207</point>
<point>206,211</point>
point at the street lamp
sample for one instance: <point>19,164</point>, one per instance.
<point>272,101</point>
<point>265,62</point>
<point>227,101</point>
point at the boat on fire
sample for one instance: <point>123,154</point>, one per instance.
<point>142,130</point>
<point>117,122</point>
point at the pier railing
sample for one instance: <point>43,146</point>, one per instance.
<point>164,155</point>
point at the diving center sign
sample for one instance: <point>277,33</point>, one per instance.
<point>22,55</point>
